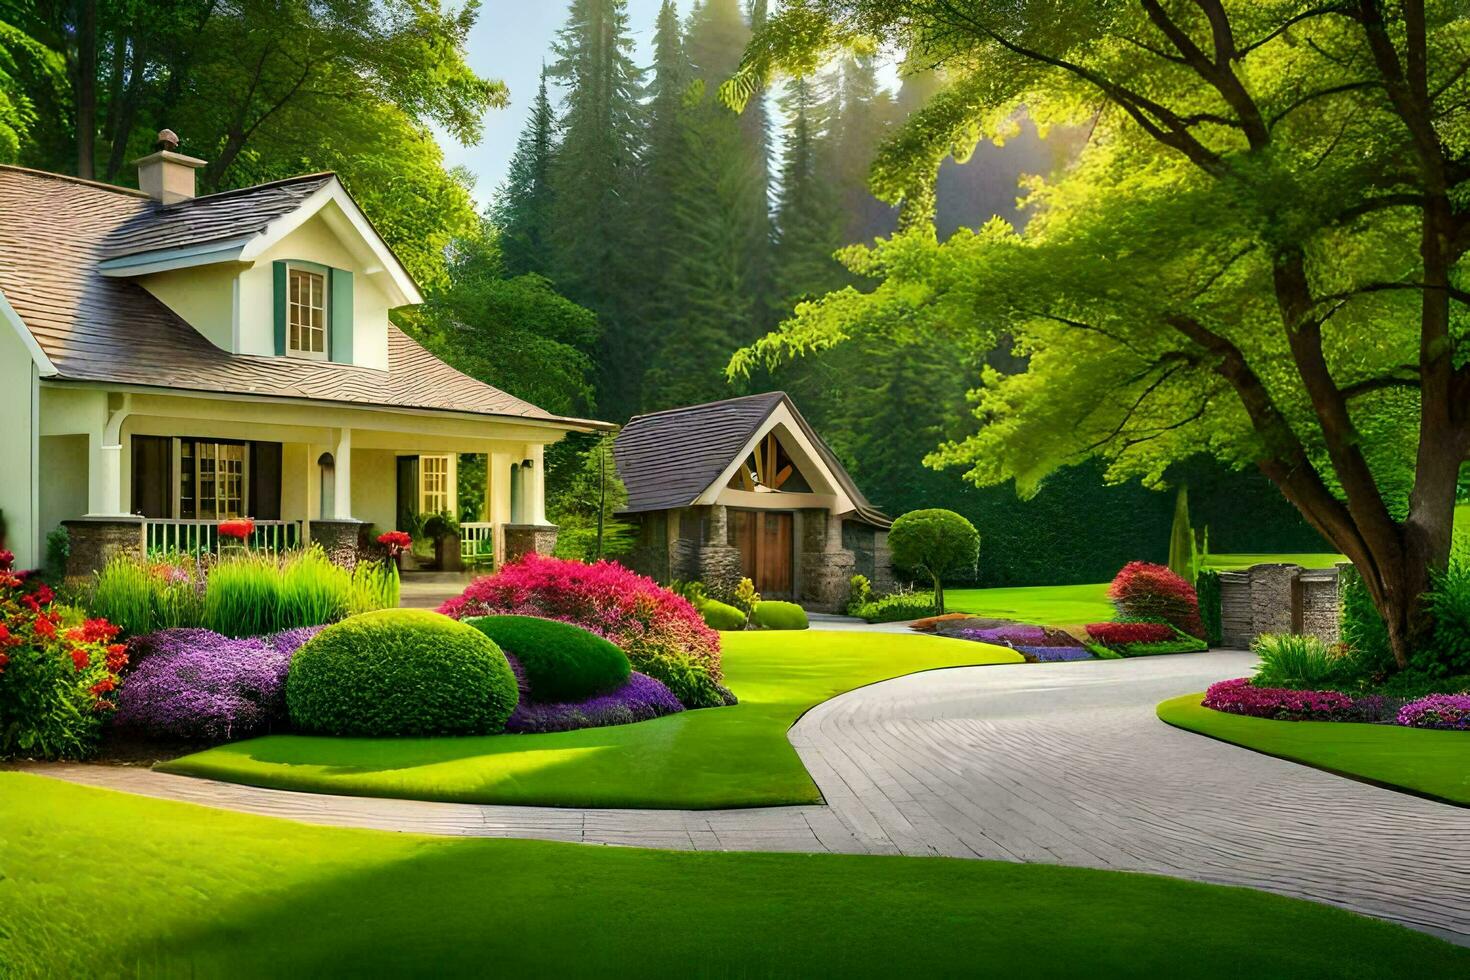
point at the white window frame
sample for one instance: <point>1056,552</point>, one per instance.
<point>292,269</point>
<point>425,492</point>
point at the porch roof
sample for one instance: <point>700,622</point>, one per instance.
<point>54,231</point>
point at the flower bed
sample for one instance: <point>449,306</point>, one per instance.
<point>1241,697</point>
<point>195,684</point>
<point>1021,634</point>
<point>640,698</point>
<point>1053,654</point>
<point>1122,634</point>
<point>1148,592</point>
<point>1445,711</point>
<point>661,632</point>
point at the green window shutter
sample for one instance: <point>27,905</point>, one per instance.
<point>280,296</point>
<point>340,346</point>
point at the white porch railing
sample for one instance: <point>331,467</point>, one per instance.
<point>197,537</point>
<point>477,543</point>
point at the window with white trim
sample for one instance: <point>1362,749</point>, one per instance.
<point>433,484</point>
<point>306,314</point>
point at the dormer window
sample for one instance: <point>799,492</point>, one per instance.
<point>306,314</point>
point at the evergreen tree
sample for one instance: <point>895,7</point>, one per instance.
<point>523,206</point>
<point>866,113</point>
<point>593,177</point>
<point>808,217</point>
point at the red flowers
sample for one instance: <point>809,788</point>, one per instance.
<point>7,558</point>
<point>117,657</point>
<point>4,661</point>
<point>103,686</point>
<point>1152,592</point>
<point>395,541</point>
<point>81,658</point>
<point>1122,634</point>
<point>92,631</point>
<point>240,528</point>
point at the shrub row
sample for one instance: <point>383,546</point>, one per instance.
<point>560,662</point>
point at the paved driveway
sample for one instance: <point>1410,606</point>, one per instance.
<point>1055,763</point>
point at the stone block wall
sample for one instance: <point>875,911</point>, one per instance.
<point>338,538</point>
<point>523,539</point>
<point>1277,599</point>
<point>94,540</point>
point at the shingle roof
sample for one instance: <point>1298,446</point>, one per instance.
<point>667,459</point>
<point>53,231</point>
<point>213,218</point>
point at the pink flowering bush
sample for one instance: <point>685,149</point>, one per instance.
<point>1241,697</point>
<point>1446,711</point>
<point>662,633</point>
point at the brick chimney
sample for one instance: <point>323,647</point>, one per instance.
<point>167,175</point>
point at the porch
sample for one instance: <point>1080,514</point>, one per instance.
<point>169,469</point>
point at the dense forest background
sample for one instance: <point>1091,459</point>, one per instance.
<point>644,232</point>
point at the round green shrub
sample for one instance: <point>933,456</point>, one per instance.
<point>770,614</point>
<point>561,662</point>
<point>400,672</point>
<point>721,615</point>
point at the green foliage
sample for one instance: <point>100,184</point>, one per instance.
<point>561,662</point>
<point>1185,558</point>
<point>1183,644</point>
<point>585,507</point>
<point>771,614</point>
<point>522,211</point>
<point>58,550</point>
<point>934,543</point>
<point>1360,626</point>
<point>859,593</point>
<point>1294,661</point>
<point>1207,588</point>
<point>375,585</point>
<point>400,672</point>
<point>689,681</point>
<point>898,607</point>
<point>142,596</point>
<point>721,616</point>
<point>1448,650</point>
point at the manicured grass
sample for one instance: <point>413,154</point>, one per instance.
<point>719,757</point>
<point>1046,605</point>
<point>1227,563</point>
<point>1423,761</point>
<point>105,884</point>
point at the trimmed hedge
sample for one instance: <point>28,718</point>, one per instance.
<point>771,614</point>
<point>721,615</point>
<point>400,672</point>
<point>561,662</point>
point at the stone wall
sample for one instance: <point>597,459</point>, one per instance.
<point>338,538</point>
<point>523,539</point>
<point>719,564</point>
<point>94,540</point>
<point>1277,599</point>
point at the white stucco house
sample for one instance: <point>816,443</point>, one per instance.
<point>168,361</point>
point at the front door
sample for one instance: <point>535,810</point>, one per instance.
<point>764,538</point>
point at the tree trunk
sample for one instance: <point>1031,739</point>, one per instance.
<point>938,596</point>
<point>86,87</point>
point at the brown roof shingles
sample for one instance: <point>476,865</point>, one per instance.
<point>53,232</point>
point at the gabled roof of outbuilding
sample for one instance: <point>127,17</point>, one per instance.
<point>54,230</point>
<point>668,459</point>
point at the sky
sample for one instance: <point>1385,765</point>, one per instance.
<point>509,42</point>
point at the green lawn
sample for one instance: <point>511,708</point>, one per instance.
<point>720,757</point>
<point>1048,605</point>
<point>106,884</point>
<point>1423,761</point>
<point>1229,563</point>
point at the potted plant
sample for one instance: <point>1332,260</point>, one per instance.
<point>443,530</point>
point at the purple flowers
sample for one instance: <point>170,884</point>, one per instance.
<point>198,685</point>
<point>1019,635</point>
<point>1241,697</point>
<point>1450,712</point>
<point>640,699</point>
<point>1050,655</point>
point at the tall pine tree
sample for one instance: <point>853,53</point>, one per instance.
<point>809,219</point>
<point>593,176</point>
<point>523,204</point>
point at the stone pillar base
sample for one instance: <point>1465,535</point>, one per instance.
<point>338,538</point>
<point>524,539</point>
<point>94,540</point>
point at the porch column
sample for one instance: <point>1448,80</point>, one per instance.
<point>342,475</point>
<point>534,486</point>
<point>497,499</point>
<point>105,484</point>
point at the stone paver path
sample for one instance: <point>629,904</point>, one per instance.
<point>1056,763</point>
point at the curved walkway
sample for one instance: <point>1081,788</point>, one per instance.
<point>1057,763</point>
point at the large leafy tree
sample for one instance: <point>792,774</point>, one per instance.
<point>1259,252</point>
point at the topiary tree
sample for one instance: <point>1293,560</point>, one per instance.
<point>561,662</point>
<point>934,543</point>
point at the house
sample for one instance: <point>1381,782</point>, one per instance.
<point>746,488</point>
<point>168,361</point>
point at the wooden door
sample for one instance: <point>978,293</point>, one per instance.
<point>764,538</point>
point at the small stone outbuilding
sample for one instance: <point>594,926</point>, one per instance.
<point>746,488</point>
